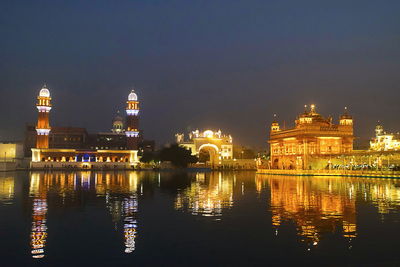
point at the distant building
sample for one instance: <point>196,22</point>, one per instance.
<point>218,146</point>
<point>313,137</point>
<point>384,141</point>
<point>11,151</point>
<point>215,149</point>
<point>74,147</point>
<point>11,156</point>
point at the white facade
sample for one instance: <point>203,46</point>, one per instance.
<point>384,141</point>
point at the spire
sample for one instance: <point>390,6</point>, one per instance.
<point>275,119</point>
<point>312,108</point>
<point>132,96</point>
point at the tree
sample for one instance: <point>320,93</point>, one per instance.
<point>149,156</point>
<point>177,155</point>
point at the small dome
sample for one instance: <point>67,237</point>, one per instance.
<point>132,96</point>
<point>118,123</point>
<point>44,92</point>
<point>346,115</point>
<point>208,133</point>
<point>118,119</point>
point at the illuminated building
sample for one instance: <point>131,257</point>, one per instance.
<point>217,146</point>
<point>11,155</point>
<point>312,141</point>
<point>120,155</point>
<point>384,141</point>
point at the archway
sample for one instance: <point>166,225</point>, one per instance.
<point>275,164</point>
<point>208,153</point>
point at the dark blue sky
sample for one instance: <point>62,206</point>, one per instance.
<point>201,64</point>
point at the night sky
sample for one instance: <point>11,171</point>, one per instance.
<point>200,64</point>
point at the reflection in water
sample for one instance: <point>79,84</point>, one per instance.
<point>319,207</point>
<point>130,207</point>
<point>383,193</point>
<point>38,191</point>
<point>319,204</point>
<point>6,190</point>
<point>122,202</point>
<point>118,189</point>
<point>121,197</point>
<point>207,195</point>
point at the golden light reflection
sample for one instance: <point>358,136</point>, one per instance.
<point>207,195</point>
<point>319,205</point>
<point>6,189</point>
<point>116,182</point>
<point>315,205</point>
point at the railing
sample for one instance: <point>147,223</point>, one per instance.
<point>359,173</point>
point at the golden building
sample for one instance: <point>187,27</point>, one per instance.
<point>311,139</point>
<point>384,141</point>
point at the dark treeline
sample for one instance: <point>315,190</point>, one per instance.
<point>178,156</point>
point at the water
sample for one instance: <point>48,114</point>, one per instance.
<point>214,219</point>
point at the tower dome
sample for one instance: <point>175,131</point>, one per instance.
<point>44,92</point>
<point>132,96</point>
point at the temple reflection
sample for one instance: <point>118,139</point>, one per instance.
<point>207,195</point>
<point>322,205</point>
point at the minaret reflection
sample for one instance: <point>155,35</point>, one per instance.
<point>38,191</point>
<point>130,208</point>
<point>207,195</point>
<point>122,201</point>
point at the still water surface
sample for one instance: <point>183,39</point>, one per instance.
<point>214,219</point>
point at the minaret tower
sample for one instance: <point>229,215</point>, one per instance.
<point>43,127</point>
<point>132,121</point>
